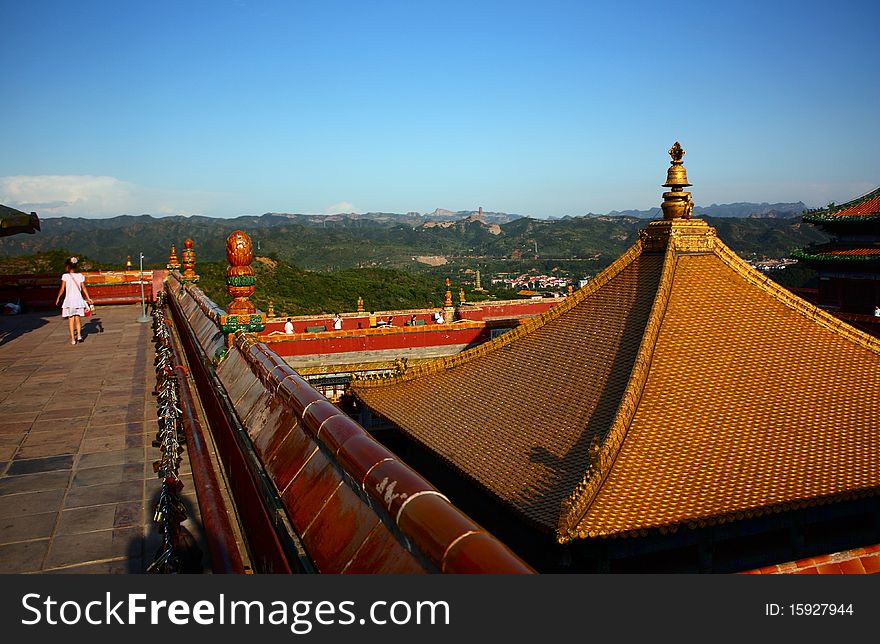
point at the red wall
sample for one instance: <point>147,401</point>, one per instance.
<point>375,339</point>
<point>513,309</point>
<point>38,291</point>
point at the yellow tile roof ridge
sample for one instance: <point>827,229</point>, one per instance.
<point>602,458</point>
<point>527,327</point>
<point>792,301</point>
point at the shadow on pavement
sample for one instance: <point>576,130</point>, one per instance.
<point>15,326</point>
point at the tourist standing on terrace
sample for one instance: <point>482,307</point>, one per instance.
<point>73,285</point>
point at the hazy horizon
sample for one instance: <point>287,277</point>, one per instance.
<point>423,213</point>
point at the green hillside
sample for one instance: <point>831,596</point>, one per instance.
<point>297,292</point>
<point>367,243</point>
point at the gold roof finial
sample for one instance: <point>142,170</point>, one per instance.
<point>677,203</point>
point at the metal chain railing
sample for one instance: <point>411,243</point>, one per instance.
<point>177,551</point>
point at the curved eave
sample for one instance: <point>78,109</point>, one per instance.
<point>697,523</point>
<point>832,258</point>
<point>822,215</point>
<point>825,218</point>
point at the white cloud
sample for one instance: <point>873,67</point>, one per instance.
<point>341,207</point>
<point>98,197</point>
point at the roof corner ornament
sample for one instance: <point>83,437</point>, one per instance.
<point>241,314</point>
<point>448,306</point>
<point>189,262</point>
<point>677,204</point>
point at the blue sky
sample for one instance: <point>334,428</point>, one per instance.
<point>552,108</point>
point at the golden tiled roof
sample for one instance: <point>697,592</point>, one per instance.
<point>678,388</point>
<point>518,414</point>
<point>749,406</point>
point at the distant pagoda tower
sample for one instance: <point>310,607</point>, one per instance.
<point>270,309</point>
<point>128,263</point>
<point>848,265</point>
<point>241,314</point>
<point>360,304</point>
<point>173,263</point>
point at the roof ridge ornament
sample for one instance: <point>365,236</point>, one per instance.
<point>677,204</point>
<point>241,314</point>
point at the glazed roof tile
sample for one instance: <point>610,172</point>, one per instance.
<point>858,561</point>
<point>852,251</point>
<point>675,389</point>
<point>866,206</point>
<point>748,404</point>
<point>508,420</point>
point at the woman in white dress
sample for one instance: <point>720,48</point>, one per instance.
<point>76,299</point>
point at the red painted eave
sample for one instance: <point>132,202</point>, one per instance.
<point>859,561</point>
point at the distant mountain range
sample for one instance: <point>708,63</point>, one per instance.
<point>332,242</point>
<point>742,209</point>
<point>409,219</point>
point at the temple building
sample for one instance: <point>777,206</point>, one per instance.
<point>329,358</point>
<point>848,265</point>
<point>681,412</point>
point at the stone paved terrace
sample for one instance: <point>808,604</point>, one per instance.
<point>77,487</point>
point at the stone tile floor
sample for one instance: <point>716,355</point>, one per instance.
<point>77,487</point>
